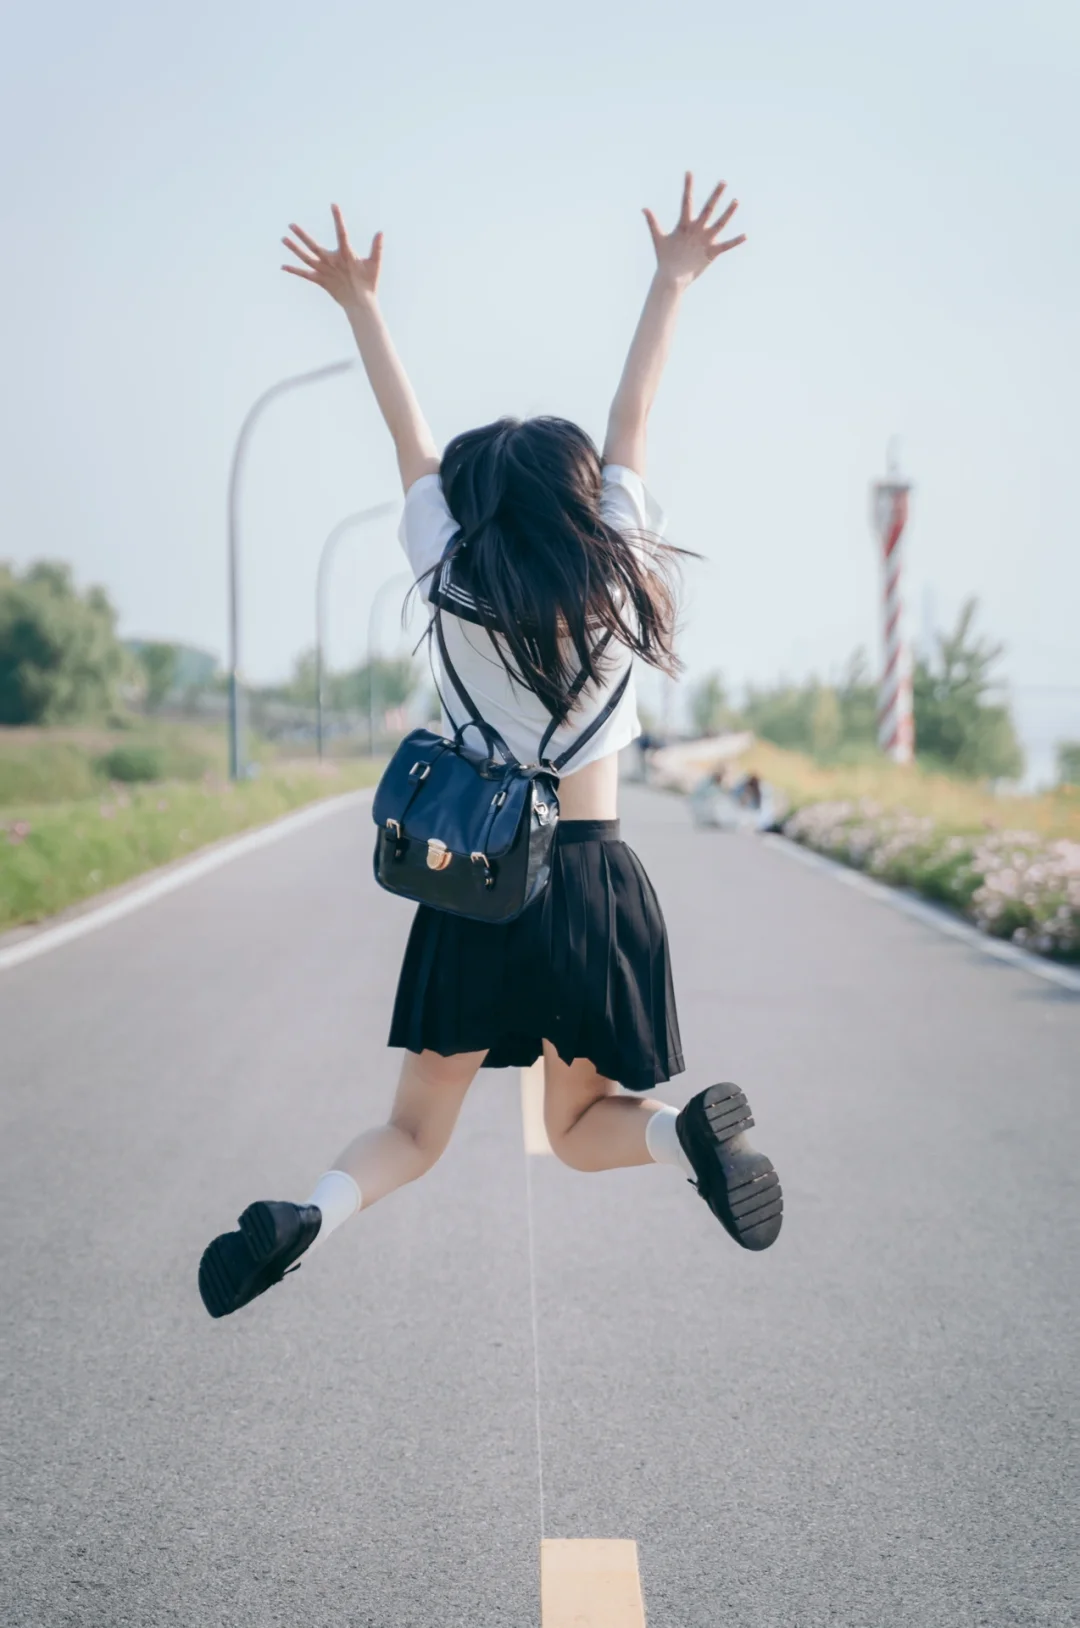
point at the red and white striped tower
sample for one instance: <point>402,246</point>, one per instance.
<point>896,723</point>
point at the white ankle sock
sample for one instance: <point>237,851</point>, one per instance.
<point>662,1140</point>
<point>338,1197</point>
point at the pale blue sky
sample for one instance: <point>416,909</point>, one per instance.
<point>908,178</point>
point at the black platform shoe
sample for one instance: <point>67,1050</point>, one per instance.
<point>738,1184</point>
<point>240,1265</point>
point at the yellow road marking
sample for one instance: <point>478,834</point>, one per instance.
<point>590,1583</point>
<point>532,1108</point>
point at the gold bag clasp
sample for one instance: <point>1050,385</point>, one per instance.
<point>438,855</point>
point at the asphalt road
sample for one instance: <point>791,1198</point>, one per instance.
<point>869,1426</point>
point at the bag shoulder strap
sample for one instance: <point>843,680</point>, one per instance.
<point>596,723</point>
<point>489,731</point>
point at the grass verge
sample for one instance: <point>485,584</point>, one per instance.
<point>954,805</point>
<point>55,855</point>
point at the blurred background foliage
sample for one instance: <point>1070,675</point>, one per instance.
<point>60,658</point>
<point>962,726</point>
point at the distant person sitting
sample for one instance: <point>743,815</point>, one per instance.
<point>748,792</point>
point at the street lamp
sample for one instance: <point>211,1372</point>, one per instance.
<point>235,766</point>
<point>359,519</point>
<point>402,579</point>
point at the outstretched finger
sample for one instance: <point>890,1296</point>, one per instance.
<point>722,248</point>
<point>687,199</point>
<point>301,254</point>
<point>654,226</point>
<point>375,252</point>
<point>298,271</point>
<point>309,242</point>
<point>719,224</point>
<point>714,199</point>
<point>339,227</point>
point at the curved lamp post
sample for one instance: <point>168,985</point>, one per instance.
<point>333,538</point>
<point>401,579</point>
<point>235,755</point>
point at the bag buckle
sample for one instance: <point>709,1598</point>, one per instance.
<point>420,771</point>
<point>438,854</point>
<point>489,874</point>
<point>392,825</point>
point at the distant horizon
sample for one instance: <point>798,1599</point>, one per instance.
<point>1045,715</point>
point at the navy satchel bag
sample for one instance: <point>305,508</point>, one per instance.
<point>467,831</point>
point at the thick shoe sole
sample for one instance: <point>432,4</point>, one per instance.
<point>750,1202</point>
<point>236,1267</point>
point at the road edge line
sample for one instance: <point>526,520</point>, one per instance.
<point>930,915</point>
<point>177,876</point>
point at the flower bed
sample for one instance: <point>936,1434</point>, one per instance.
<point>1016,885</point>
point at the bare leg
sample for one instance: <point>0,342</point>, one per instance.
<point>426,1106</point>
<point>588,1125</point>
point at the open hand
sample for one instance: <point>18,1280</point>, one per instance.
<point>341,271</point>
<point>683,253</point>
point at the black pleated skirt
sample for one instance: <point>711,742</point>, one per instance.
<point>586,967</point>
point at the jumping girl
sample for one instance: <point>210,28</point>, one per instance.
<point>534,546</point>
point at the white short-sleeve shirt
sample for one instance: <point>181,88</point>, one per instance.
<point>520,717</point>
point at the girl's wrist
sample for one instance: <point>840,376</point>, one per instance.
<point>671,282</point>
<point>360,306</point>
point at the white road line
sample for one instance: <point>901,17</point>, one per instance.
<point>177,876</point>
<point>532,1108</point>
<point>930,915</point>
<point>590,1583</point>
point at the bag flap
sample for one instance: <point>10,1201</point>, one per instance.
<point>453,802</point>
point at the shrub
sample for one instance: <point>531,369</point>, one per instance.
<point>132,763</point>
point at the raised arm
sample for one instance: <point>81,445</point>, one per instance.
<point>352,281</point>
<point>681,256</point>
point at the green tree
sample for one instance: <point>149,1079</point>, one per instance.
<point>160,663</point>
<point>857,698</point>
<point>1068,763</point>
<point>709,710</point>
<point>826,724</point>
<point>782,713</point>
<point>394,679</point>
<point>956,724</point>
<point>301,686</point>
<point>60,658</point>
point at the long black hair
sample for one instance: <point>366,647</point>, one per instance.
<point>548,575</point>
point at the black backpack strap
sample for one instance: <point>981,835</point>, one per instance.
<point>490,733</point>
<point>591,728</point>
<point>572,694</point>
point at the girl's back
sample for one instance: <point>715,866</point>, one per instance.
<point>565,614</point>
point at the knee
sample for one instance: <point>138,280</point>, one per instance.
<point>427,1121</point>
<point>428,1143</point>
<point>568,1148</point>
